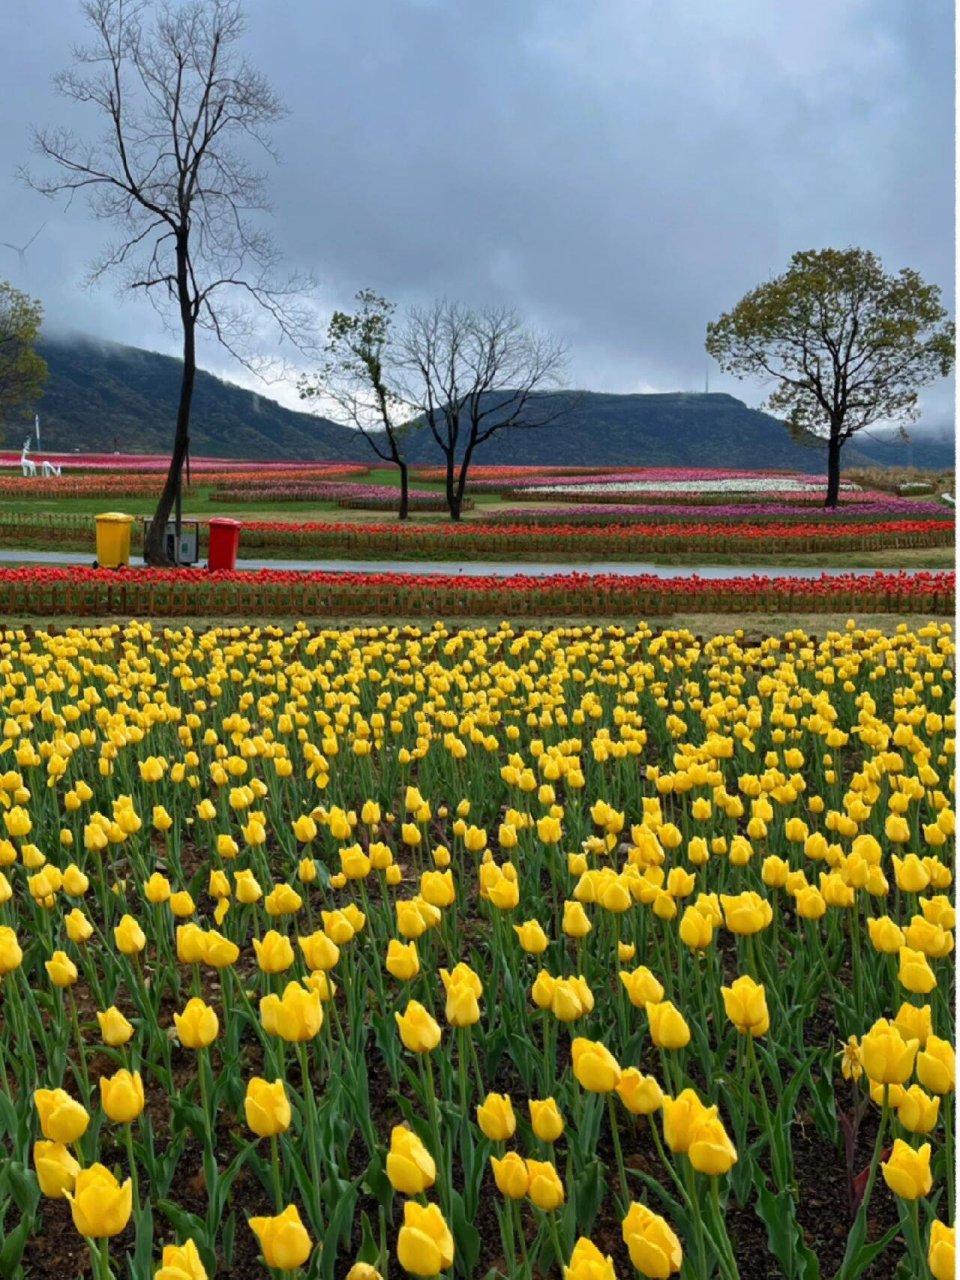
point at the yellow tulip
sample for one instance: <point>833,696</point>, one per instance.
<point>511,1176</point>
<point>885,935</point>
<point>588,1263</point>
<point>640,1094</point>
<point>545,1118</point>
<point>745,1003</point>
<point>653,1246</point>
<point>274,952</point>
<point>907,1172</point>
<point>594,1066</point>
<point>62,970</point>
<point>403,960</point>
<point>122,1096</point>
<point>114,1027</point>
<point>642,987</point>
<point>496,1118</point>
<point>532,938</point>
<point>56,1169</point>
<point>668,1027</point>
<point>710,1150</point>
<point>284,1241</point>
<point>296,1016</point>
<point>681,1117</point>
<point>181,1262</point>
<point>545,1188</point>
<point>424,1244</point>
<point>363,1271</point>
<point>746,913</point>
<point>129,937</point>
<point>916,1111</point>
<point>197,1026</point>
<point>62,1118</point>
<point>410,1166</point>
<point>418,1030</point>
<point>887,1058</point>
<point>266,1107</point>
<point>914,1022</point>
<point>914,973</point>
<point>319,951</point>
<point>937,1066</point>
<point>941,1255</point>
<point>101,1206</point>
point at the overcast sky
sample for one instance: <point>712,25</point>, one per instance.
<point>619,170</point>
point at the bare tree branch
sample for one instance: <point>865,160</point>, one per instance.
<point>182,109</point>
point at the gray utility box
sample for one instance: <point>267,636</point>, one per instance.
<point>189,540</point>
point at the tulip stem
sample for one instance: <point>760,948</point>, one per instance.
<point>81,1048</point>
<point>621,1168</point>
<point>724,1248</point>
<point>513,1207</point>
<point>134,1176</point>
<point>313,1137</point>
<point>948,1147</point>
<point>912,1215</point>
<point>694,1201</point>
<point>426,1067</point>
<point>555,1237</point>
<point>101,1258</point>
<point>779,1176</point>
<point>844,1273</point>
<point>275,1166</point>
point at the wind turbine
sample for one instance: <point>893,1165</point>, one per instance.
<point>22,253</point>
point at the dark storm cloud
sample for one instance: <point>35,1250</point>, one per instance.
<point>622,170</point>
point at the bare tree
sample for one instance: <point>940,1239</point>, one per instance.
<point>181,105</point>
<point>359,378</point>
<point>474,373</point>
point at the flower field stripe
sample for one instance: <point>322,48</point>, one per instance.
<point>491,953</point>
<point>54,591</point>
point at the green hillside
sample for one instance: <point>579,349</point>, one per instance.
<point>105,397</point>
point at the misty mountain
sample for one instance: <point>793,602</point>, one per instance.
<point>104,396</point>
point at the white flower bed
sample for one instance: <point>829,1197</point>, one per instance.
<point>732,484</point>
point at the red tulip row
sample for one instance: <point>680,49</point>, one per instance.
<point>51,592</point>
<point>312,538</point>
<point>129,483</point>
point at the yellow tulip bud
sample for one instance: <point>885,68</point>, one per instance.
<point>266,1107</point>
<point>907,1172</point>
<point>410,1166</point>
<point>424,1244</point>
<point>495,1117</point>
<point>653,1247</point>
<point>546,1119</point>
<point>56,1169</point>
<point>197,1026</point>
<point>122,1096</point>
<point>62,1118</point>
<point>101,1206</point>
<point>283,1240</point>
<point>418,1030</point>
<point>668,1028</point>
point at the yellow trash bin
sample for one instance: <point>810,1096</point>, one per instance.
<point>113,539</point>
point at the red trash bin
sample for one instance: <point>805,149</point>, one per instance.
<point>224,541</point>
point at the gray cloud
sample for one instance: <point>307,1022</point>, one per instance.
<point>621,171</point>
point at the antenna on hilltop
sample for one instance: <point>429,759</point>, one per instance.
<point>706,379</point>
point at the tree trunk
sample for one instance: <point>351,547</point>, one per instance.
<point>155,545</point>
<point>453,499</point>
<point>833,469</point>
<point>404,492</point>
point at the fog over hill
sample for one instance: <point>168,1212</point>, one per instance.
<point>104,396</point>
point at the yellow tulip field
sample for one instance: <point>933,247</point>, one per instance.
<point>570,953</point>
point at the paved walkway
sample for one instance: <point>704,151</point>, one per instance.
<point>477,568</point>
